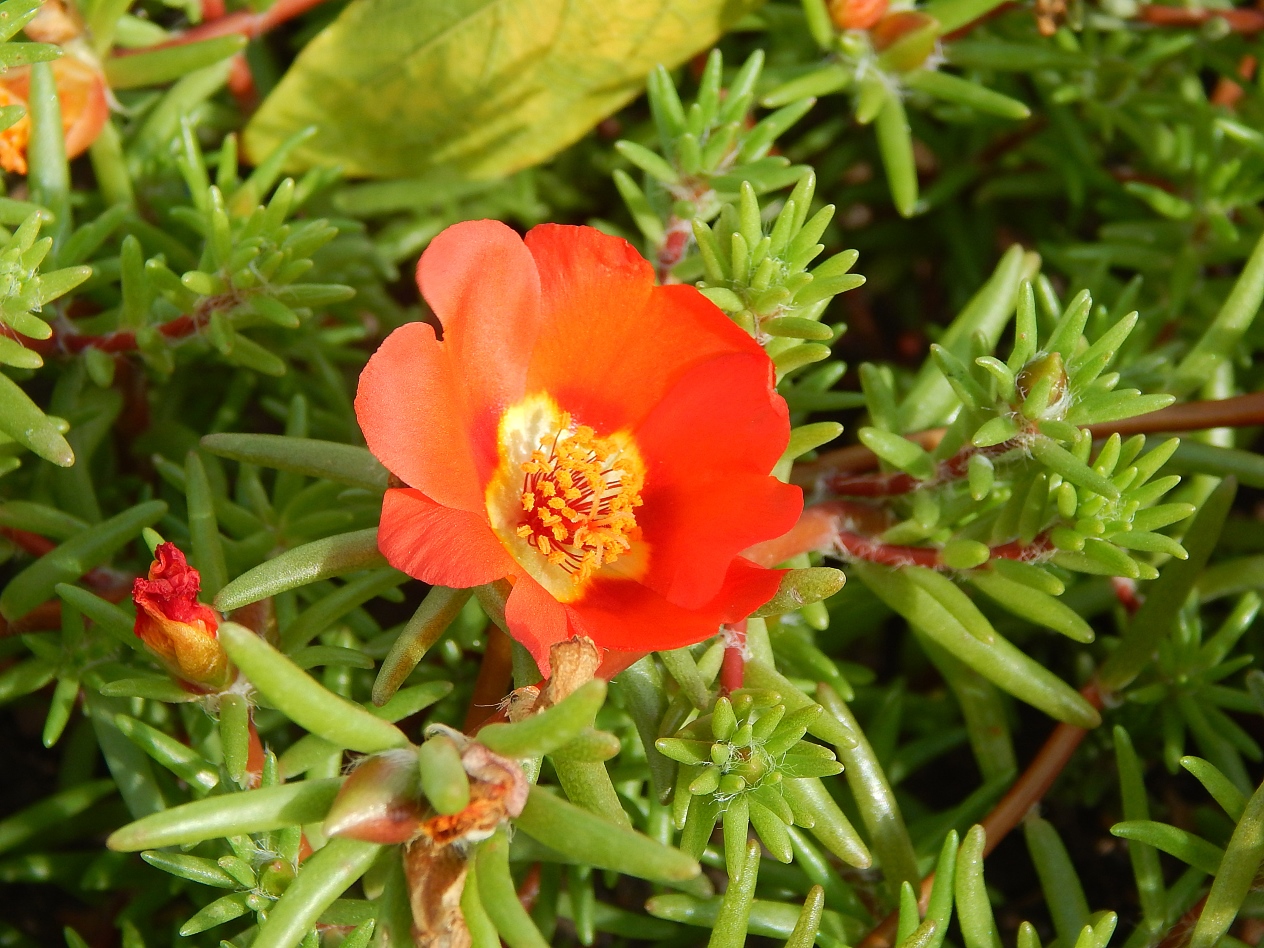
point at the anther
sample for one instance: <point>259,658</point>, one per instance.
<point>578,475</point>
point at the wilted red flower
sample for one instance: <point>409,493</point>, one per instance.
<point>603,442</point>
<point>179,630</point>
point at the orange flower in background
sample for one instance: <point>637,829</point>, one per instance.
<point>603,442</point>
<point>85,109</point>
<point>178,629</point>
<point>856,14</point>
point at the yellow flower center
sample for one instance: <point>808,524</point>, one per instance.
<point>574,493</point>
<point>578,500</point>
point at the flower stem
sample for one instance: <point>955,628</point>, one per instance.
<point>253,25</point>
<point>831,527</point>
<point>1240,21</point>
<point>733,670</point>
<point>494,677</point>
<point>675,243</point>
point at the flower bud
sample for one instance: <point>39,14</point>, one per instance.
<point>800,587</point>
<point>1044,369</point>
<point>380,801</point>
<point>275,877</point>
<point>175,627</point>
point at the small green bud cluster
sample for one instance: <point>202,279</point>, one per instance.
<point>706,153</point>
<point>1015,465</point>
<point>733,765</point>
<point>26,292</point>
<point>881,61</point>
<point>703,187</point>
<point>247,275</point>
<point>257,868</point>
<point>762,280</point>
<point>1187,690</point>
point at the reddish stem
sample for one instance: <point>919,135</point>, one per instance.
<point>832,527</point>
<point>853,459</point>
<point>899,482</point>
<point>1026,792</point>
<point>28,542</point>
<point>109,584</point>
<point>733,668</point>
<point>1126,592</point>
<point>69,340</point>
<point>1228,92</point>
<point>495,675</point>
<point>675,243</point>
<point>818,529</point>
<point>241,84</point>
<point>1038,777</point>
<point>840,465</point>
<point>1240,20</point>
<point>874,550</point>
<point>529,891</point>
<point>248,24</point>
<point>254,756</point>
<point>1179,933</point>
<point>42,618</point>
<point>1240,411</point>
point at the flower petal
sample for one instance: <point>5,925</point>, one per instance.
<point>626,616</point>
<point>482,283</point>
<point>610,342</point>
<point>708,447</point>
<point>429,409</point>
<point>746,588</point>
<point>535,619</point>
<point>439,545</point>
<point>412,409</point>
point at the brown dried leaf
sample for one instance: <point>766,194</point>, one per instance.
<point>436,878</point>
<point>575,663</point>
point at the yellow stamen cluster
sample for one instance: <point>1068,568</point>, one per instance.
<point>578,500</point>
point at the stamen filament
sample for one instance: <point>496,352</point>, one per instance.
<point>579,496</point>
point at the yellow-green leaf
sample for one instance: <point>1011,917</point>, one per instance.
<point>474,88</point>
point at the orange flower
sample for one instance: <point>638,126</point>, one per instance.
<point>856,14</point>
<point>178,629</point>
<point>84,109</point>
<point>601,441</point>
